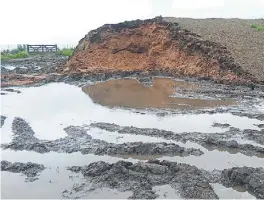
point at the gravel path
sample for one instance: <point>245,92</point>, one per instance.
<point>246,44</point>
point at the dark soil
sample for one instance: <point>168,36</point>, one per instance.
<point>141,177</point>
<point>3,118</point>
<point>31,170</point>
<point>248,177</point>
<point>212,140</point>
<point>78,141</point>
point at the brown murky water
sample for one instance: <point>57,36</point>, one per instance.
<point>130,93</point>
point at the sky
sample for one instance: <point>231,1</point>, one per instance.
<point>65,22</point>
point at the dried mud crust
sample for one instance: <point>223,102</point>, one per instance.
<point>207,140</point>
<point>31,170</point>
<point>79,141</point>
<point>154,44</point>
<point>140,178</point>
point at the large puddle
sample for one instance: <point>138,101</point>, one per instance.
<point>131,93</point>
<point>52,107</point>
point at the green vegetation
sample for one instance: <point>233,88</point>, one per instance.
<point>257,27</point>
<point>13,55</point>
<point>260,28</point>
<point>66,52</point>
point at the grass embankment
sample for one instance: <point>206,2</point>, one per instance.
<point>9,56</point>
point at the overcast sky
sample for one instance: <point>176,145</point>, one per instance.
<point>67,21</point>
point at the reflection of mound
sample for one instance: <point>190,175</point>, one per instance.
<point>130,93</point>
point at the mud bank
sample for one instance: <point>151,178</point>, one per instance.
<point>222,141</point>
<point>31,170</point>
<point>140,178</point>
<point>250,178</point>
<point>79,141</point>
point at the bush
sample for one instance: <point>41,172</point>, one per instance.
<point>9,56</point>
<point>257,27</point>
<point>260,28</point>
<point>66,52</point>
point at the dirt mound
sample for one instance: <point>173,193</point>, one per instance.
<point>245,43</point>
<point>154,45</point>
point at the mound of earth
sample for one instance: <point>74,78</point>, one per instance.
<point>160,45</point>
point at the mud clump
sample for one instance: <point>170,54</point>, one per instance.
<point>3,118</point>
<point>221,125</point>
<point>79,141</point>
<point>31,170</point>
<point>250,178</point>
<point>141,177</point>
<point>247,149</point>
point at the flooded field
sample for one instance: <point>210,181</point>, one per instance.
<point>128,139</point>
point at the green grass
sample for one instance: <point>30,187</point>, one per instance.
<point>66,52</point>
<point>257,27</point>
<point>9,56</point>
<point>260,28</point>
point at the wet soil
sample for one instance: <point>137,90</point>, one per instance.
<point>221,141</point>
<point>79,141</point>
<point>140,178</point>
<point>3,118</point>
<point>111,152</point>
<point>31,170</point>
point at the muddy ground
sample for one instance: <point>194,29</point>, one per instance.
<point>124,151</point>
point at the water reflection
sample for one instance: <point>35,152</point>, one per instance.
<point>130,93</point>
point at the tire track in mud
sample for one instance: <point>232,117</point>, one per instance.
<point>141,177</point>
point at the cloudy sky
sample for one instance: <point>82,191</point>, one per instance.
<point>67,21</point>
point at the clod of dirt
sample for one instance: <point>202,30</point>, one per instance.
<point>259,125</point>
<point>79,141</point>
<point>11,90</point>
<point>221,125</point>
<point>3,118</point>
<point>31,170</point>
<point>141,177</point>
<point>250,178</point>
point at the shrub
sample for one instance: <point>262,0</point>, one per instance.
<point>66,52</point>
<point>260,28</point>
<point>9,56</point>
<point>254,25</point>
